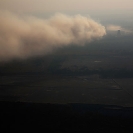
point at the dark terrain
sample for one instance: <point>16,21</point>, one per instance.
<point>73,89</point>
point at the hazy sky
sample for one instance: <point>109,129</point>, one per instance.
<point>66,5</point>
<point>23,36</point>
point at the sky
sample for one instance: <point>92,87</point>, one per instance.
<point>76,6</point>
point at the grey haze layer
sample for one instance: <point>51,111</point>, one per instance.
<point>23,37</point>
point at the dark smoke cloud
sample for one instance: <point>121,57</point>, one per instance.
<point>23,37</point>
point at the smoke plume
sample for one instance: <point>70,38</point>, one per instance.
<point>116,28</point>
<point>23,37</point>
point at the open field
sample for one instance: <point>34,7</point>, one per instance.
<point>66,89</point>
<point>99,73</point>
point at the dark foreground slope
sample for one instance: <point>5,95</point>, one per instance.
<point>23,117</point>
